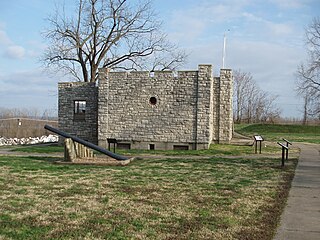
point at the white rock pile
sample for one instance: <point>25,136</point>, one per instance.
<point>30,140</point>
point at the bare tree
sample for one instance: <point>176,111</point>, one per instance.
<point>308,73</point>
<point>242,85</point>
<point>109,33</point>
<point>265,109</point>
<point>306,103</point>
<point>251,104</point>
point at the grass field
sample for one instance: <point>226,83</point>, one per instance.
<point>212,198</point>
<point>38,149</point>
<point>275,132</point>
<point>225,192</point>
<point>215,149</point>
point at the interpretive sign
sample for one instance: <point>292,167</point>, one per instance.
<point>257,139</point>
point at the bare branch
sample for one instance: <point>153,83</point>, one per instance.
<point>109,33</point>
<point>308,73</point>
<point>251,104</point>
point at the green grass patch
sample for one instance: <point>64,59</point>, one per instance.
<point>214,150</point>
<point>39,149</point>
<point>275,132</point>
<point>185,198</point>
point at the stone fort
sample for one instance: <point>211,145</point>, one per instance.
<point>150,110</point>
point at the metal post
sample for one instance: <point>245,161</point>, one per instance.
<point>282,161</point>
<point>256,146</point>
<point>260,146</point>
<point>224,50</point>
<point>287,145</point>
<point>284,148</point>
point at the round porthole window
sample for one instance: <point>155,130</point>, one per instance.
<point>153,101</point>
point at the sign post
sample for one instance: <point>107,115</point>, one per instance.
<point>257,139</point>
<point>287,150</point>
<point>284,148</point>
<point>114,142</point>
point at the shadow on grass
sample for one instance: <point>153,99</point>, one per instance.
<point>43,148</point>
<point>45,159</point>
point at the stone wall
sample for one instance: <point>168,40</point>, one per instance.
<point>222,112</point>
<point>225,127</point>
<point>183,113</point>
<point>160,110</point>
<point>78,91</point>
<point>126,113</point>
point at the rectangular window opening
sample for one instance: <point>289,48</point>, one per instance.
<point>180,147</point>
<point>79,109</point>
<point>125,146</point>
<point>151,146</point>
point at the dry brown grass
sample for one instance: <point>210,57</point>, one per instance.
<point>10,128</point>
<point>148,199</point>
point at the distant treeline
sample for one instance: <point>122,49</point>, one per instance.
<point>34,113</point>
<point>24,127</point>
<point>19,122</point>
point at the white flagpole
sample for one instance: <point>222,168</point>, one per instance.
<point>224,50</point>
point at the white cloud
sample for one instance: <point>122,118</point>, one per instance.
<point>27,89</point>
<point>251,17</point>
<point>189,24</point>
<point>290,3</point>
<point>15,52</point>
<point>189,28</point>
<point>9,49</point>
<point>280,28</point>
<point>271,27</point>
<point>35,78</point>
<point>4,39</point>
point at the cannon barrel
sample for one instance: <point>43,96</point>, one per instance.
<point>85,143</point>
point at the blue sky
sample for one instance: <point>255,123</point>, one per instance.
<point>266,38</point>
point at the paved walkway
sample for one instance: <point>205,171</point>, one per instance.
<point>301,217</point>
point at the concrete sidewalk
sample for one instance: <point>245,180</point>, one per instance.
<point>301,217</point>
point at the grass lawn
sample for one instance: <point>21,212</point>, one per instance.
<point>38,149</point>
<point>187,198</point>
<point>275,132</point>
<point>215,149</point>
<point>207,194</point>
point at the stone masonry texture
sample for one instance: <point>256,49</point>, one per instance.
<point>78,91</point>
<point>163,109</point>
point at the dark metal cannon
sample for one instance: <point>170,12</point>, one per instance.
<point>85,143</point>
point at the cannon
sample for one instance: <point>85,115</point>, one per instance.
<point>86,143</point>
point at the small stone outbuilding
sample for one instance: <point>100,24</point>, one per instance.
<point>150,110</point>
